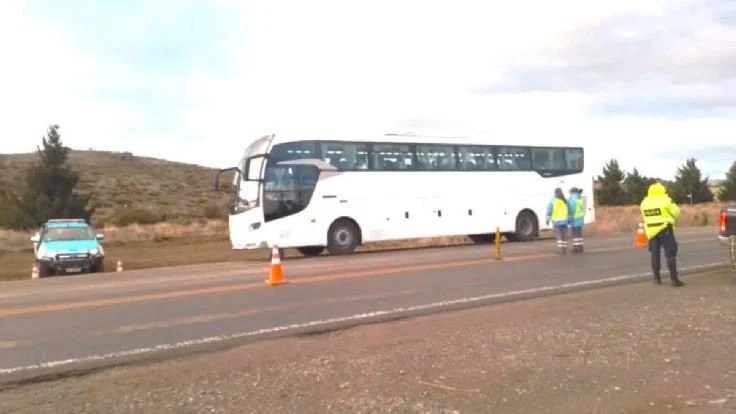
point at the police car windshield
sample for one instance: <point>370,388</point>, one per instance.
<point>68,233</point>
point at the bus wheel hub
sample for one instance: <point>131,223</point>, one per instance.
<point>343,237</point>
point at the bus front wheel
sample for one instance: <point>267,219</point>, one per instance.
<point>342,238</point>
<point>311,251</point>
<point>527,226</point>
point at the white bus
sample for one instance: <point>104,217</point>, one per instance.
<point>313,194</point>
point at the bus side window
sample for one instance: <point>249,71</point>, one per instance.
<point>574,159</point>
<point>548,159</point>
<point>346,156</point>
<point>292,151</point>
<point>435,157</point>
<point>513,158</point>
<point>476,158</point>
<point>392,157</point>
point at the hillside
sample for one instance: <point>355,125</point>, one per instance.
<point>127,188</point>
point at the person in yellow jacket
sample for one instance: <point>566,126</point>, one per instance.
<point>559,214</point>
<point>660,214</point>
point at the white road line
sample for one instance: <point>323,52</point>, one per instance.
<point>323,322</point>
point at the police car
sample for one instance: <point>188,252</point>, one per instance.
<point>68,246</point>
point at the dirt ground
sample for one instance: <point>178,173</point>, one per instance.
<point>637,348</point>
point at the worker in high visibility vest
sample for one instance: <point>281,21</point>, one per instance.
<point>660,214</point>
<point>576,205</point>
<point>559,214</point>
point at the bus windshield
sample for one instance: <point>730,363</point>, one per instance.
<point>247,185</point>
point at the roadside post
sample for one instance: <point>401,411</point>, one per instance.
<point>732,249</point>
<point>498,243</point>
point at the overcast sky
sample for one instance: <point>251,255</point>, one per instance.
<point>648,82</point>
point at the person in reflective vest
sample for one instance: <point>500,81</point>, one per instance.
<point>576,205</point>
<point>660,215</point>
<point>559,214</point>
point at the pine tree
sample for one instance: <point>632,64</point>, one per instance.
<point>611,191</point>
<point>689,183</point>
<point>50,187</point>
<point>728,192</point>
<point>636,186</point>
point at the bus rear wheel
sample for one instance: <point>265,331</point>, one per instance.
<point>527,226</point>
<point>311,251</point>
<point>342,238</point>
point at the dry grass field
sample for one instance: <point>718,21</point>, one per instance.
<point>127,189</point>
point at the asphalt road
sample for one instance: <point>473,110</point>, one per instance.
<point>63,325</point>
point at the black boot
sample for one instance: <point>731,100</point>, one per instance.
<point>657,280</point>
<point>677,283</point>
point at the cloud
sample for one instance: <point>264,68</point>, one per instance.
<point>115,76</point>
<point>198,81</point>
<point>679,61</point>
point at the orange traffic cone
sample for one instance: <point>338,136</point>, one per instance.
<point>641,238</point>
<point>120,266</point>
<point>276,276</point>
<point>34,271</point>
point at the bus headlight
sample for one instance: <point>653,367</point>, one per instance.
<point>94,252</point>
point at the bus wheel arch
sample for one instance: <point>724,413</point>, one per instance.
<point>343,236</point>
<point>527,226</point>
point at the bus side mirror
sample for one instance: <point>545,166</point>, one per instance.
<point>219,173</point>
<point>253,166</point>
<point>100,236</point>
<point>36,238</point>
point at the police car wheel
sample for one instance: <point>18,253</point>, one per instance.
<point>99,268</point>
<point>43,270</point>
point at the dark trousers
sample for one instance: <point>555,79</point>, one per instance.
<point>561,235</point>
<point>666,241</point>
<point>576,234</point>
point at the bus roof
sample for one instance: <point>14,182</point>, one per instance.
<point>416,138</point>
